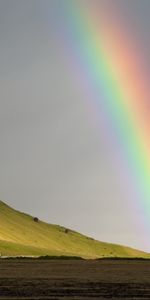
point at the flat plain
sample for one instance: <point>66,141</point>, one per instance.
<point>74,279</point>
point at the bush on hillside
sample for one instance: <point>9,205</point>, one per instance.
<point>36,220</point>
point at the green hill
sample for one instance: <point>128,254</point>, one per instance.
<point>21,235</point>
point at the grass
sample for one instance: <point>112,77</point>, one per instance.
<point>20,235</point>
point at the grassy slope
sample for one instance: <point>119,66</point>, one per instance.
<point>20,235</point>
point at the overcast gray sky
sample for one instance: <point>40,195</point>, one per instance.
<point>54,163</point>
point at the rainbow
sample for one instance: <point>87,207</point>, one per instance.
<point>114,77</point>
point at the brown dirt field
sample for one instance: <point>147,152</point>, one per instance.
<point>74,279</point>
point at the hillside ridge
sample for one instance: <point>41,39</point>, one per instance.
<point>21,234</point>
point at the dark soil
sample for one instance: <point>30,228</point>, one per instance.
<point>74,279</point>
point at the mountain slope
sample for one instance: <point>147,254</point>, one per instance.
<point>21,235</point>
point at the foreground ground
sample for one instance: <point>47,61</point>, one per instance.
<point>74,279</point>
